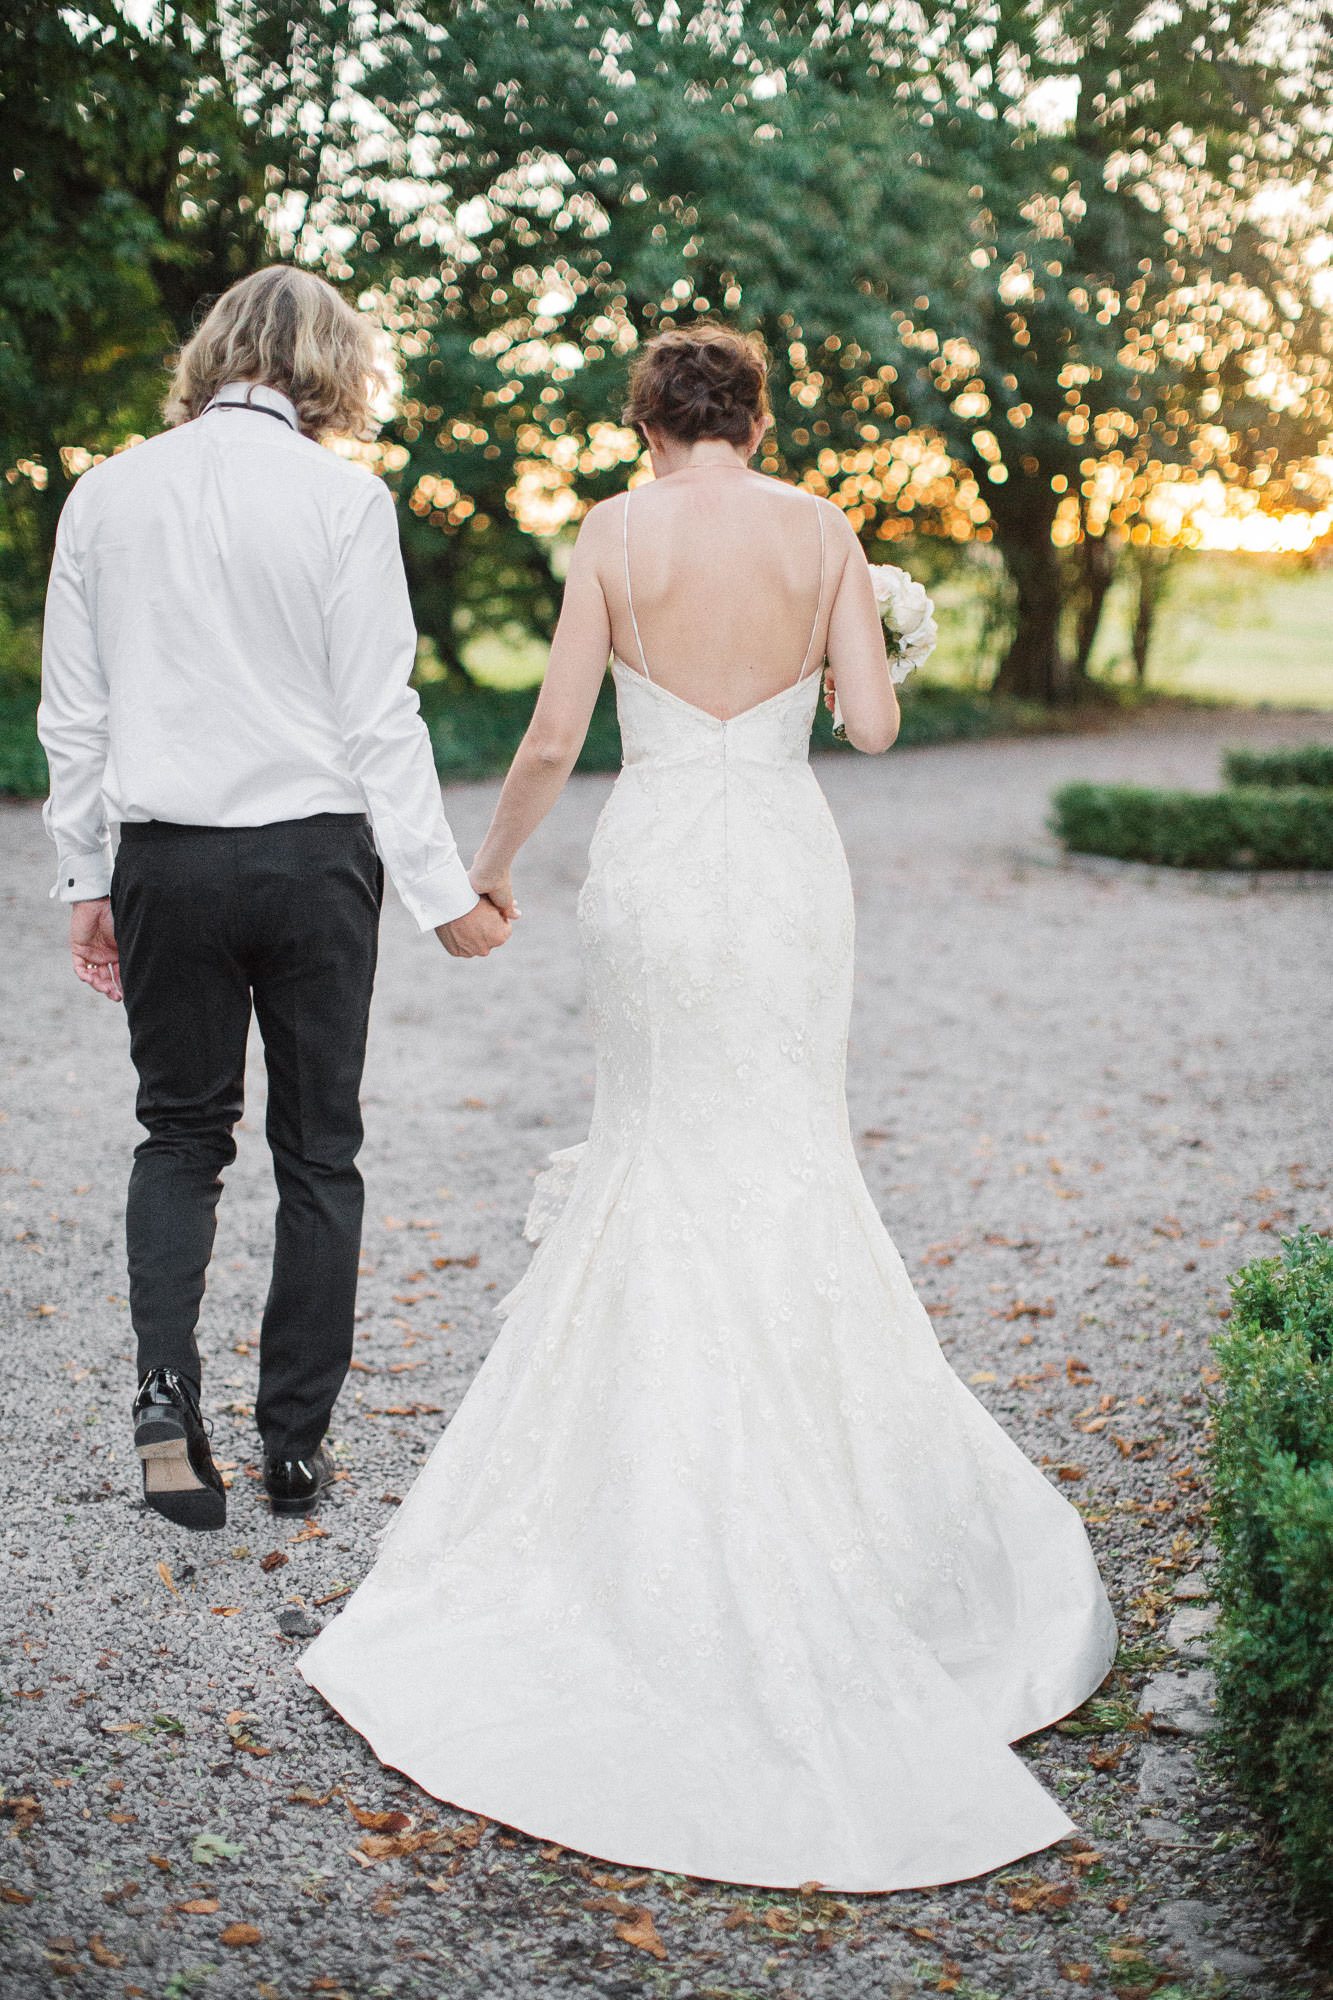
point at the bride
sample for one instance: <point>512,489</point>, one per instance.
<point>719,1568</point>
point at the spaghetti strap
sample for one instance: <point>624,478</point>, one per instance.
<point>643,661</point>
<point>819,600</point>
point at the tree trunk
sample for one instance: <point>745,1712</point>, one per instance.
<point>1153,566</point>
<point>1035,665</point>
<point>1098,557</point>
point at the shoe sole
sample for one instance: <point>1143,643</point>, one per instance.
<point>306,1506</point>
<point>172,1487</point>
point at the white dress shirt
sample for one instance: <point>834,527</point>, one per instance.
<point>228,642</point>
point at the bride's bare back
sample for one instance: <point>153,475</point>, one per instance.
<point>723,592</point>
<point>737,585</point>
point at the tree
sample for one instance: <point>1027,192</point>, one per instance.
<point>1133,291</point>
<point>145,164</point>
<point>558,187</point>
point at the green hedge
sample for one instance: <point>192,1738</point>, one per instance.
<point>1271,1458</point>
<point>1252,828</point>
<point>1312,765</point>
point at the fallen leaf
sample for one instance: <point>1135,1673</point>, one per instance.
<point>209,1847</point>
<point>463,1263</point>
<point>8,1894</point>
<point>615,1906</point>
<point>1116,1261</point>
<point>1024,1309</point>
<point>1074,1367</point>
<point>741,1915</point>
<point>160,1861</point>
<point>311,1532</point>
<point>238,1934</point>
<point>982,1375</point>
<point>642,1934</point>
<point>1084,1857</point>
<point>123,1818</point>
<point>380,1822</point>
<point>330,1595</point>
<point>273,1560</point>
<point>101,1953</point>
<point>117,1728</point>
<point>201,1906</point>
<point>225,1610</point>
<point>24,1811</point>
<point>1107,1760</point>
<point>779,1920</point>
<point>165,1575</point>
<point>303,1796</point>
<point>1071,1471</point>
<point>1080,1973</point>
<point>1119,1904</point>
<point>1040,1896</point>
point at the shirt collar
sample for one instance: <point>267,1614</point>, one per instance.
<point>258,395</point>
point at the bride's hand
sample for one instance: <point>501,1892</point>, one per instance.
<point>830,690</point>
<point>497,888</point>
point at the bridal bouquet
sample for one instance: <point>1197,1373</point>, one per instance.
<point>909,622</point>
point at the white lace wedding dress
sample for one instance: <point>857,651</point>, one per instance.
<point>719,1568</point>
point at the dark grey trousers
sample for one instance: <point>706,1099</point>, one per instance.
<point>212,922</point>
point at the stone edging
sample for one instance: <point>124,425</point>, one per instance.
<point>1217,881</point>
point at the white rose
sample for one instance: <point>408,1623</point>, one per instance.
<point>908,614</point>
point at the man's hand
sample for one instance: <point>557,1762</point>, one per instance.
<point>92,945</point>
<point>475,935</point>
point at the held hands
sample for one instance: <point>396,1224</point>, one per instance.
<point>93,948</point>
<point>476,934</point>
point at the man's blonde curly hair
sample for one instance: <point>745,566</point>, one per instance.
<point>289,329</point>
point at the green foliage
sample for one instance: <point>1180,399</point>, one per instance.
<point>1271,1456</point>
<point>1245,828</point>
<point>1311,765</point>
<point>22,759</point>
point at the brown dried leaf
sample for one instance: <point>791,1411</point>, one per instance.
<point>615,1905</point>
<point>200,1906</point>
<point>101,1953</point>
<point>239,1934</point>
<point>1025,1896</point>
<point>642,1934</point>
<point>165,1575</point>
<point>742,1914</point>
<point>311,1532</point>
<point>160,1861</point>
<point>8,1894</point>
<point>273,1560</point>
<point>1079,1973</point>
<point>380,1822</point>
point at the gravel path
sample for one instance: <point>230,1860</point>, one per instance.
<point>1082,1100</point>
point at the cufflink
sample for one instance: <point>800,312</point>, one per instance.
<point>70,883</point>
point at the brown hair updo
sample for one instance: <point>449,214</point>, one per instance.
<point>699,382</point>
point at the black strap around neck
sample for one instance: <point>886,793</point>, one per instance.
<point>254,409</point>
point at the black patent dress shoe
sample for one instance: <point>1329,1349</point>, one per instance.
<point>293,1485</point>
<point>180,1480</point>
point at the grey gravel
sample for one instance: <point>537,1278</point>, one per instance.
<point>1081,1100</point>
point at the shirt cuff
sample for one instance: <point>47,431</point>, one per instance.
<point>441,898</point>
<point>84,878</point>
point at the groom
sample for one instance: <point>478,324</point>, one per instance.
<point>225,672</point>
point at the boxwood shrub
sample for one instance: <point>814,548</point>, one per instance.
<point>1312,764</point>
<point>1250,827</point>
<point>1271,1454</point>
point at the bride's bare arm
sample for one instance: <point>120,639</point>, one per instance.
<point>858,663</point>
<point>546,756</point>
